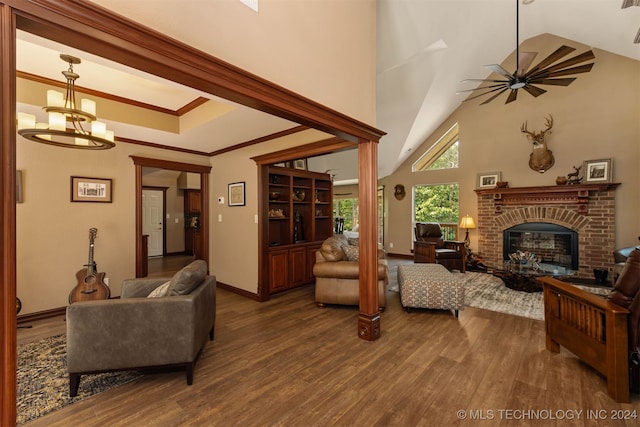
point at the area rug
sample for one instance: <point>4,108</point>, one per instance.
<point>488,292</point>
<point>43,381</point>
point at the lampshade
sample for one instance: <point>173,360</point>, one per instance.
<point>467,222</point>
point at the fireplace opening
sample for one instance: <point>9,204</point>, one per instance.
<point>553,243</point>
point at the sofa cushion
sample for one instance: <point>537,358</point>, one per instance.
<point>160,291</point>
<point>331,249</point>
<point>628,284</point>
<point>351,252</point>
<point>187,279</point>
<point>353,241</point>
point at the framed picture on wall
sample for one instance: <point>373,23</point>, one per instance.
<point>84,189</point>
<point>597,170</point>
<point>236,194</point>
<point>488,179</point>
<point>300,164</point>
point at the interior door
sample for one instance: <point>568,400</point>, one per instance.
<point>153,220</point>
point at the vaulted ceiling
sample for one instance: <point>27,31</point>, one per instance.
<point>425,49</point>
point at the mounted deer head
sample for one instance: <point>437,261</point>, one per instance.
<point>541,158</point>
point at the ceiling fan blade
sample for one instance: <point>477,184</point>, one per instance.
<point>499,70</point>
<point>556,82</point>
<point>534,90</point>
<point>480,87</point>
<point>585,56</point>
<point>512,96</point>
<point>574,70</point>
<point>560,52</point>
<point>485,80</point>
<point>526,59</point>
<point>502,89</point>
<point>494,96</point>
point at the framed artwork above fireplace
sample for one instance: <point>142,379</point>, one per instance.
<point>598,170</point>
<point>488,179</point>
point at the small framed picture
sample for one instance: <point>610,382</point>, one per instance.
<point>488,179</point>
<point>300,164</point>
<point>84,189</point>
<point>236,194</point>
<point>597,170</point>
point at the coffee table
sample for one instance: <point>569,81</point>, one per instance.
<point>523,277</point>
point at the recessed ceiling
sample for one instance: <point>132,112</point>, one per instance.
<point>215,125</point>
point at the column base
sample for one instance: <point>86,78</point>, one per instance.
<point>369,327</point>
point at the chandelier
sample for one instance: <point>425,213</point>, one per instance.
<point>62,109</point>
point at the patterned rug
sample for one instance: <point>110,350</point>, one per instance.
<point>488,292</point>
<point>43,381</point>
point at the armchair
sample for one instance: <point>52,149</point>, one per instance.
<point>430,247</point>
<point>137,331</point>
<point>604,333</point>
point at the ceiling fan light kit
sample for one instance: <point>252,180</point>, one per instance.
<point>62,109</point>
<point>545,73</point>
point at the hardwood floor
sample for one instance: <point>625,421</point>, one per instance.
<point>287,362</point>
<point>166,266</point>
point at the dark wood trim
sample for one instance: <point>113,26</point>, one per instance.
<point>330,145</point>
<point>40,315</point>
<point>94,29</point>
<point>8,337</point>
<point>191,105</point>
<point>259,140</point>
<point>163,147</point>
<point>93,92</point>
<point>97,30</point>
<point>171,165</point>
<point>547,195</point>
<point>238,291</point>
<point>369,318</point>
<point>263,241</point>
<point>403,256</point>
<point>141,162</point>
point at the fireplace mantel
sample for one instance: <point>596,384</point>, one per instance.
<point>577,194</point>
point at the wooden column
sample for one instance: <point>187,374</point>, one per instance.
<point>8,338</point>
<point>369,317</point>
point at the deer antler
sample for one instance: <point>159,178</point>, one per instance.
<point>549,126</point>
<point>523,129</point>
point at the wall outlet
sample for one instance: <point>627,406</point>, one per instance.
<point>390,245</point>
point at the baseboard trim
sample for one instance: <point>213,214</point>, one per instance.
<point>41,315</point>
<point>238,291</point>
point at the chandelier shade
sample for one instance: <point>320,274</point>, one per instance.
<point>66,126</point>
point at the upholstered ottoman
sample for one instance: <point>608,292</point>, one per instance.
<point>430,286</point>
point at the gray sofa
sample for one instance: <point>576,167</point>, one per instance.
<point>137,331</point>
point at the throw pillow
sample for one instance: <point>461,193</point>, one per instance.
<point>186,280</point>
<point>160,291</point>
<point>353,241</point>
<point>351,252</point>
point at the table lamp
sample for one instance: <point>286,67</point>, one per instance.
<point>467,222</point>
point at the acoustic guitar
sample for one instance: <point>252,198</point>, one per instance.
<point>91,284</point>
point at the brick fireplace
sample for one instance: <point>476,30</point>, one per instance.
<point>587,209</point>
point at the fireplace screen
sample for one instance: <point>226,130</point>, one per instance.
<point>552,243</point>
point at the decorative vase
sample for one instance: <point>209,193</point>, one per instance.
<point>561,180</point>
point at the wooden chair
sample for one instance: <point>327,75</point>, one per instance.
<point>430,247</point>
<point>592,328</point>
<point>605,333</point>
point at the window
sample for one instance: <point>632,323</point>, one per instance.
<point>346,209</point>
<point>441,155</point>
<point>438,203</point>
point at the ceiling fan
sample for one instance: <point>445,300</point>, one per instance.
<point>544,73</point>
